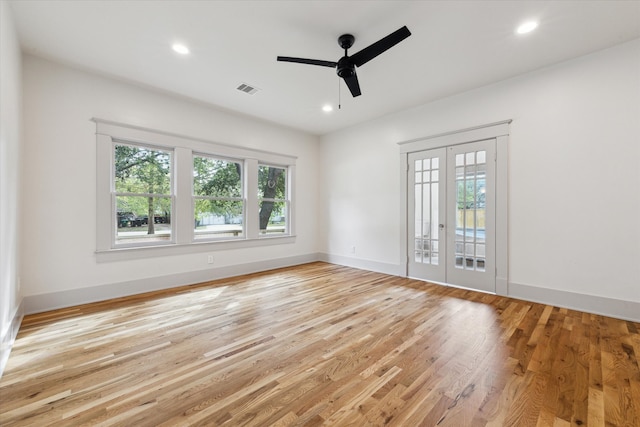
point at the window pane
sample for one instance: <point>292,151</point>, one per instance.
<point>418,210</point>
<point>218,218</point>
<point>143,219</point>
<point>468,249</point>
<point>481,189</point>
<point>273,217</point>
<point>434,253</point>
<point>216,178</point>
<point>435,210</point>
<point>272,183</point>
<point>482,155</point>
<point>274,206</point>
<point>426,210</point>
<point>142,170</point>
<point>471,158</point>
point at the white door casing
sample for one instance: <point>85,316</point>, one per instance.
<point>476,227</point>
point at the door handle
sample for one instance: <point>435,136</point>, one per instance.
<point>441,226</point>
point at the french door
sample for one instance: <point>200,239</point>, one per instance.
<point>451,209</point>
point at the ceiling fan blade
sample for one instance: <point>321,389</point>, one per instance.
<point>308,61</point>
<point>353,85</point>
<point>375,49</point>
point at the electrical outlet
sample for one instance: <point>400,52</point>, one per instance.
<point>210,259</point>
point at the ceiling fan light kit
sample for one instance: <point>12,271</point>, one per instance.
<point>346,66</point>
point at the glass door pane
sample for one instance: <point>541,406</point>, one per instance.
<point>470,210</point>
<point>471,213</point>
<point>426,214</point>
<point>425,201</point>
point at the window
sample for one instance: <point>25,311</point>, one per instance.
<point>272,193</point>
<point>161,193</point>
<point>143,194</point>
<point>217,193</point>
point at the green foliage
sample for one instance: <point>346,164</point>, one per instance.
<point>467,197</point>
<point>216,178</point>
<point>217,185</point>
<point>139,205</point>
<point>219,179</point>
<point>142,170</point>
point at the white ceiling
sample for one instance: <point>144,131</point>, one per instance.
<point>455,46</point>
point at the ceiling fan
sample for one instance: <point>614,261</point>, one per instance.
<point>346,66</point>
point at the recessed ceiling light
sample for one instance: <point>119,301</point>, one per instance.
<point>527,27</point>
<point>180,48</point>
<point>327,108</point>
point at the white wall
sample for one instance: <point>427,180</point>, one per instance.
<point>59,176</point>
<point>574,175</point>
<point>10,145</point>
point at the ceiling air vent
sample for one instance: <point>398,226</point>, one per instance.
<point>247,88</point>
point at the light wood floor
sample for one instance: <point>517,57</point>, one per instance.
<point>321,344</point>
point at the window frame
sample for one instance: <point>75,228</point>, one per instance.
<point>242,198</point>
<point>115,194</point>
<point>286,200</point>
<point>183,233</point>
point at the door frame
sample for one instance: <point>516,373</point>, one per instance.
<point>499,131</point>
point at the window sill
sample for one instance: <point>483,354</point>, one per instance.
<point>142,252</point>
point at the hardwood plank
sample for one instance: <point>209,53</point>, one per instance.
<point>321,344</point>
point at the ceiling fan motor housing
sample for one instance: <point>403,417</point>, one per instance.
<point>345,68</point>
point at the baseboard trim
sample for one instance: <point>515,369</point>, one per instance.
<point>8,337</point>
<point>56,300</point>
<point>626,310</point>
<point>611,307</point>
<point>362,264</point>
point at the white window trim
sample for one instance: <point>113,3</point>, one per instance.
<point>183,242</point>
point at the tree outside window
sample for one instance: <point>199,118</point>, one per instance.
<point>218,197</point>
<point>274,204</point>
<point>142,184</point>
